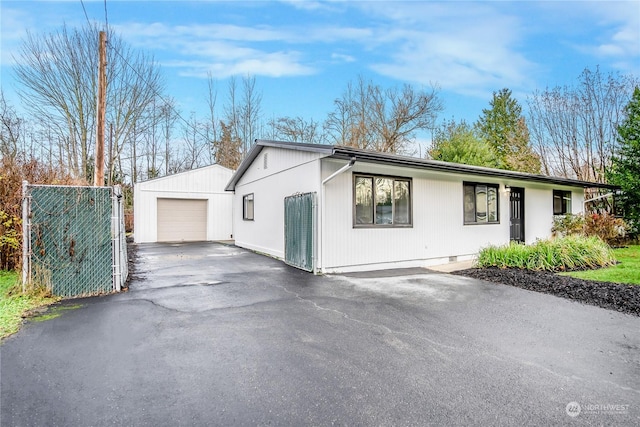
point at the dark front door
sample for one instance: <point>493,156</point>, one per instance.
<point>516,220</point>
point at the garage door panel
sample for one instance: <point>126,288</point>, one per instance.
<point>182,220</point>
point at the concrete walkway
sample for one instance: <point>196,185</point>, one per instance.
<point>453,266</point>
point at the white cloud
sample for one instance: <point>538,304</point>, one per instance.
<point>340,57</point>
<point>472,50</point>
<point>620,23</point>
<point>277,64</point>
<point>222,49</point>
<point>607,31</point>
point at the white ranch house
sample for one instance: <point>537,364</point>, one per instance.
<point>357,210</point>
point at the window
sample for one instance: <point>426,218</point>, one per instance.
<point>381,201</point>
<point>480,203</point>
<point>247,207</point>
<point>561,202</point>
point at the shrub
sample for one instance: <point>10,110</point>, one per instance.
<point>566,253</point>
<point>567,225</point>
<point>13,170</point>
<point>609,228</point>
<point>605,226</point>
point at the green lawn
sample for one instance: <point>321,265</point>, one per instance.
<point>13,304</point>
<point>627,271</point>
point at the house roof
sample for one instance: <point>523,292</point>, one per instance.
<point>347,153</point>
<point>173,175</point>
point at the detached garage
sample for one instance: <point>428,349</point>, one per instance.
<point>190,206</point>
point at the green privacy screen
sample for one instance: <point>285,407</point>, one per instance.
<point>70,244</point>
<point>299,230</point>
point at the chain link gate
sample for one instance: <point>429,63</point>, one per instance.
<point>299,230</point>
<point>73,239</point>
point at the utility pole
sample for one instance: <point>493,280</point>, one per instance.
<point>109,169</point>
<point>98,179</point>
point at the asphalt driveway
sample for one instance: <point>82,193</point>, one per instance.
<point>210,334</point>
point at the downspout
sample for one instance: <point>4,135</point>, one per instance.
<point>323,204</point>
<point>339,171</point>
<point>584,204</point>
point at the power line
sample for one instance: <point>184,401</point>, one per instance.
<point>157,93</point>
<point>85,13</point>
<point>106,19</point>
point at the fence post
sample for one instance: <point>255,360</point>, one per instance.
<point>115,227</point>
<point>26,237</point>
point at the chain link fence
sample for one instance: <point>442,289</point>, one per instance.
<point>74,242</point>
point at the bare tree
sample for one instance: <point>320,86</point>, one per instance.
<point>297,129</point>
<point>368,116</point>
<point>11,131</point>
<point>57,73</point>
<point>574,128</point>
<point>250,112</point>
<point>211,125</point>
<point>232,109</point>
<point>168,117</point>
<point>242,115</point>
<point>194,146</point>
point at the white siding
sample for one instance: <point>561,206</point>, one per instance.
<point>437,235</point>
<point>438,231</point>
<point>538,213</point>
<point>288,172</point>
<point>199,184</point>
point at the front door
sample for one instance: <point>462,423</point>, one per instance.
<point>516,219</point>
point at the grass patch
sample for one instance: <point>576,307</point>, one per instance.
<point>627,271</point>
<point>14,304</point>
<point>567,253</point>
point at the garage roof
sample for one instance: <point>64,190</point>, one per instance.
<point>346,153</point>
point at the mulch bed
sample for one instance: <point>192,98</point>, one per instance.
<point>612,296</point>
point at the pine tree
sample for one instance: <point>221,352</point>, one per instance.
<point>504,128</point>
<point>227,148</point>
<point>457,143</point>
<point>625,167</point>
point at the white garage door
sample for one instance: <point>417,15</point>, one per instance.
<point>182,220</point>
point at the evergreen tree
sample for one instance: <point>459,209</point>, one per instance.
<point>625,168</point>
<point>228,148</point>
<point>504,128</point>
<point>457,143</point>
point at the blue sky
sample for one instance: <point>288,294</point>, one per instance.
<point>304,53</point>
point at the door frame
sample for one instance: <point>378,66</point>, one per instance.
<point>521,218</point>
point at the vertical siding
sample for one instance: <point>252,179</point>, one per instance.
<point>288,172</point>
<point>438,230</point>
<point>538,213</point>
<point>577,202</point>
<point>205,183</point>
